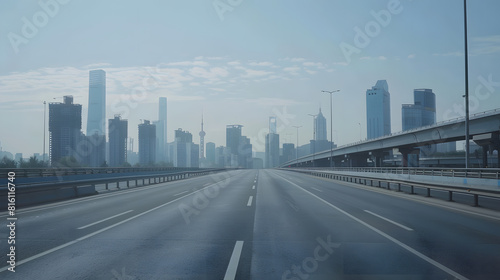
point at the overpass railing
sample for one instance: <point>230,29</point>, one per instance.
<point>399,184</point>
<point>65,171</point>
<point>486,173</point>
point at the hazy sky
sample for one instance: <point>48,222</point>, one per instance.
<point>241,61</point>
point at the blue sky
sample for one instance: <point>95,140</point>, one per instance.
<point>242,63</point>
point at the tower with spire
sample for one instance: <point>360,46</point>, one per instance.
<point>202,140</point>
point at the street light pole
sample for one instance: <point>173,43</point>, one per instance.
<point>44,113</point>
<point>331,124</point>
<point>360,132</point>
<point>466,89</point>
<point>314,137</point>
<point>297,147</point>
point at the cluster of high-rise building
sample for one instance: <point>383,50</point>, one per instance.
<point>419,114</point>
<point>96,148</point>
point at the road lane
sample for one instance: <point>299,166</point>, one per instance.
<point>208,221</point>
<point>249,224</point>
<point>469,244</point>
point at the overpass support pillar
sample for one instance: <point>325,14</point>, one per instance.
<point>488,142</point>
<point>377,158</point>
<point>410,156</point>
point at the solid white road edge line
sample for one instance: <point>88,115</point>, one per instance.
<point>103,220</point>
<point>233,262</point>
<point>394,240</point>
<point>389,220</point>
<point>181,193</point>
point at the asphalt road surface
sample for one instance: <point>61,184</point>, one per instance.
<point>253,224</point>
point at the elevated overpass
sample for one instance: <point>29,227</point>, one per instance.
<point>484,130</point>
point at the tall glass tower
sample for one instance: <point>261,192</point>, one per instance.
<point>96,119</point>
<point>320,127</point>
<point>422,112</point>
<point>161,130</point>
<point>378,110</point>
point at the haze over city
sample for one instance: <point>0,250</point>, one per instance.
<point>244,64</point>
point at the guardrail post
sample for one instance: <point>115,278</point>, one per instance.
<point>379,184</point>
<point>411,189</point>
<point>389,185</point>
<point>476,200</point>
<point>399,187</point>
<point>128,184</point>
<point>118,184</point>
<point>106,186</point>
<point>450,196</point>
<point>428,192</point>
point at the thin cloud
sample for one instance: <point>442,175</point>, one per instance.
<point>485,45</point>
<point>456,53</point>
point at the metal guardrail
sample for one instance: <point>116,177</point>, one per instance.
<point>379,182</point>
<point>157,178</point>
<point>64,171</point>
<point>52,191</point>
<point>486,173</point>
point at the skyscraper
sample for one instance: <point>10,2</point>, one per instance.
<point>65,124</point>
<point>147,143</point>
<point>320,127</point>
<point>118,132</point>
<point>97,103</point>
<point>272,145</point>
<point>238,146</point>
<point>161,130</point>
<point>185,153</point>
<point>272,125</point>
<point>233,136</point>
<point>422,112</point>
<point>210,153</point>
<point>378,110</point>
<point>202,140</point>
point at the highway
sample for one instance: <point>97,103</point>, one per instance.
<point>253,224</point>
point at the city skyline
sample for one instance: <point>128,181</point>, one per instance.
<point>243,66</point>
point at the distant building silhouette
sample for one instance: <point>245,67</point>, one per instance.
<point>320,141</point>
<point>147,143</point>
<point>422,112</point>
<point>272,145</point>
<point>161,131</point>
<point>239,149</point>
<point>288,152</point>
<point>320,127</point>
<point>65,124</point>
<point>210,153</point>
<point>202,140</point>
<point>96,119</point>
<point>118,133</point>
<point>185,153</point>
<point>378,110</point>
